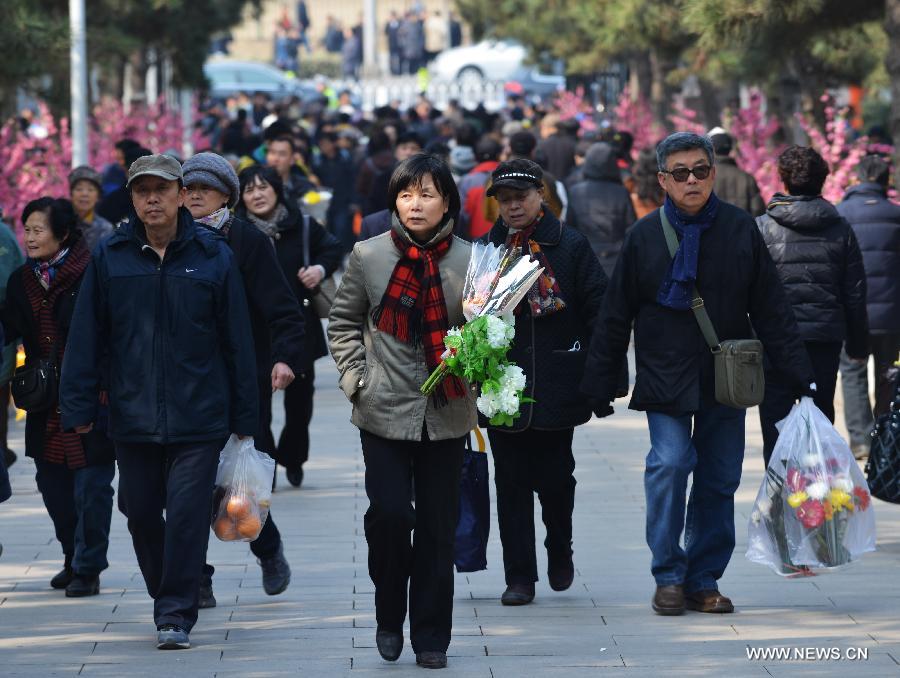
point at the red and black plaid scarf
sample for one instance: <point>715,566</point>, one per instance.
<point>413,308</point>
<point>545,296</point>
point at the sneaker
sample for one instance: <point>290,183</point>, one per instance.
<point>9,457</point>
<point>432,659</point>
<point>276,573</point>
<point>63,578</point>
<point>295,476</point>
<point>389,644</point>
<point>83,585</point>
<point>172,637</point>
<point>207,599</point>
<point>517,594</point>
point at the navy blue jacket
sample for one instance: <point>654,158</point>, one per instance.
<point>876,223</point>
<point>177,332</point>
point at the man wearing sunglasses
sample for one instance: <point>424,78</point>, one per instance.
<point>722,255</point>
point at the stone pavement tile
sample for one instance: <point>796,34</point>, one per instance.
<point>41,670</point>
<point>370,663</point>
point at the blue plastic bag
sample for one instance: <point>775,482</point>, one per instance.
<point>474,525</point>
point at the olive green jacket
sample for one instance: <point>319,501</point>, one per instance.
<point>380,374</point>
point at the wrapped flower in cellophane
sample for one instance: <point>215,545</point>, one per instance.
<point>496,281</point>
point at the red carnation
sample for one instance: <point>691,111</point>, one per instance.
<point>811,513</point>
<point>862,497</point>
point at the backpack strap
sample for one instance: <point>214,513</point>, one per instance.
<point>697,305</point>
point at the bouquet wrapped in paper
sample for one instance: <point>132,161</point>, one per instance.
<point>813,509</point>
<point>496,281</point>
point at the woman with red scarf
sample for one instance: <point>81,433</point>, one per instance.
<point>74,471</point>
<point>400,294</point>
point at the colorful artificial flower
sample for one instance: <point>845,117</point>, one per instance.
<point>863,498</point>
<point>795,481</point>
<point>841,500</point>
<point>829,510</point>
<point>797,499</point>
<point>811,514</point>
<point>817,490</point>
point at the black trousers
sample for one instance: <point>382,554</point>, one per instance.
<point>524,463</point>
<point>780,395</point>
<point>79,502</point>
<point>170,551</point>
<point>293,444</point>
<point>424,567</point>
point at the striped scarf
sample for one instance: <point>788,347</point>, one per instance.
<point>544,297</point>
<point>59,447</point>
<point>413,308</point>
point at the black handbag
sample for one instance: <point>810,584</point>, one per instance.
<point>473,527</point>
<point>35,388</point>
<point>883,466</point>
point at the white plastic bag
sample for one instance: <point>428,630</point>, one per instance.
<point>243,491</point>
<point>813,509</point>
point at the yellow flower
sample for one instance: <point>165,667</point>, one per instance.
<point>840,499</point>
<point>797,499</point>
<point>312,198</point>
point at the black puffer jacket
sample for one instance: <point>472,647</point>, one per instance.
<point>876,224</point>
<point>552,349</point>
<point>821,268</point>
<point>600,206</point>
<point>740,287</point>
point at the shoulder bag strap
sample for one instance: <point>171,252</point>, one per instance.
<point>697,306</point>
<point>306,241</point>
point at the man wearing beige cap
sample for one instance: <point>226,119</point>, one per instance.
<point>163,315</point>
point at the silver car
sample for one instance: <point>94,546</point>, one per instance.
<point>228,77</point>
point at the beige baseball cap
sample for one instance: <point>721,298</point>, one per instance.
<point>164,166</point>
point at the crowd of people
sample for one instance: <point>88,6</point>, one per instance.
<point>227,259</point>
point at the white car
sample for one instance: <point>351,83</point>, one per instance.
<point>494,60</point>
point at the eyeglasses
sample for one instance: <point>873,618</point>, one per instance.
<point>682,173</point>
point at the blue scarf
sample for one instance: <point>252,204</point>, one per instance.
<point>677,290</point>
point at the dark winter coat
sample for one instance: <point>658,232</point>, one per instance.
<point>736,186</point>
<point>552,349</point>
<point>19,322</point>
<point>821,268</point>
<point>181,360</point>
<point>324,250</point>
<point>876,223</point>
<point>736,278</point>
<point>600,206</point>
<point>556,154</point>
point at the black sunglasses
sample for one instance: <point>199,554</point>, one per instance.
<point>682,173</point>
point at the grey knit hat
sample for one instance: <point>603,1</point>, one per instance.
<point>214,171</point>
<point>85,173</point>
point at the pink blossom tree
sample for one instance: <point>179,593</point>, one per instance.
<point>755,134</point>
<point>573,106</point>
<point>633,115</point>
<point>38,162</point>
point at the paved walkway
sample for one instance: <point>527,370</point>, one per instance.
<point>323,625</point>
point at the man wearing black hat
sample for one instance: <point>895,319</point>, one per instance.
<point>162,315</point>
<point>553,330</point>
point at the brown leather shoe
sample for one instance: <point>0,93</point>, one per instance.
<point>708,601</point>
<point>669,600</point>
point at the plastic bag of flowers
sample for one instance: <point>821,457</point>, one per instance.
<point>813,509</point>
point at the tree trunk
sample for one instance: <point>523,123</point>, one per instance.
<point>660,91</point>
<point>892,64</point>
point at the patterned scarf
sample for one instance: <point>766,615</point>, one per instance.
<point>544,297</point>
<point>217,221</point>
<point>270,226</point>
<point>413,308</point>
<point>45,271</point>
<point>677,289</point>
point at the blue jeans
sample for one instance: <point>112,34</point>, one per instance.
<point>713,451</point>
<point>80,503</point>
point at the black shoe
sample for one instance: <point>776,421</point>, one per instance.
<point>9,457</point>
<point>561,577</point>
<point>207,599</point>
<point>432,659</point>
<point>517,594</point>
<point>83,585</point>
<point>390,644</point>
<point>295,476</point>
<point>171,637</point>
<point>63,578</point>
<point>276,573</point>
